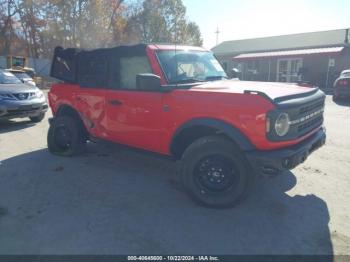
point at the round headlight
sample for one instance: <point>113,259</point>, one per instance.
<point>282,124</point>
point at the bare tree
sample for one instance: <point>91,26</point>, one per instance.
<point>7,14</point>
<point>37,26</point>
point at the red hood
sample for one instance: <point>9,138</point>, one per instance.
<point>272,89</point>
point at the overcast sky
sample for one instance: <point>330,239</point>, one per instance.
<point>241,19</point>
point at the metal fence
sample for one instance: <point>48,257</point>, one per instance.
<point>40,65</point>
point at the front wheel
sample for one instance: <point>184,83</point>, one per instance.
<point>38,118</point>
<point>66,137</point>
<point>215,173</point>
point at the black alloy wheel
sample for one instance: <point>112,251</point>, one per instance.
<point>215,172</point>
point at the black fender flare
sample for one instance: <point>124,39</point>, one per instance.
<point>70,110</point>
<point>67,108</point>
<point>223,127</point>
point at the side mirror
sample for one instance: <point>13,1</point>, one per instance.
<point>235,73</point>
<point>148,82</point>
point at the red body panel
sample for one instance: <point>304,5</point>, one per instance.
<point>149,120</point>
<point>136,121</point>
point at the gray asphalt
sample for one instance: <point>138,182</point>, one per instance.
<point>113,200</point>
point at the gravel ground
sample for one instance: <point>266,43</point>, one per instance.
<point>113,200</point>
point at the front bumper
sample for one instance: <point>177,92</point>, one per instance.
<point>342,91</point>
<point>275,161</point>
<point>20,110</point>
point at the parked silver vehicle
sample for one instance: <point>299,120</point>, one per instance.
<point>20,100</point>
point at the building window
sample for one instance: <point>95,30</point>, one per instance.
<point>252,67</point>
<point>288,69</point>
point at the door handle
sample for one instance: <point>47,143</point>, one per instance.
<point>115,102</point>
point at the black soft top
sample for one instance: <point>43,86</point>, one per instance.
<point>90,66</point>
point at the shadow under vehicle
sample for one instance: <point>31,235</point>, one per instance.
<point>113,200</point>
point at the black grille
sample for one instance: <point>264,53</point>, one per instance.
<point>315,122</point>
<point>312,107</point>
<point>26,109</point>
<point>21,96</point>
<point>20,112</point>
<point>314,113</point>
<point>304,118</point>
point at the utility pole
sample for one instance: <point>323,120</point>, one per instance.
<point>217,32</point>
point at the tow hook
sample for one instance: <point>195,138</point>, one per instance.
<point>51,120</point>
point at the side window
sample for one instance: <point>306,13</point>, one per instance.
<point>113,74</point>
<point>130,67</point>
<point>92,71</point>
<point>64,64</point>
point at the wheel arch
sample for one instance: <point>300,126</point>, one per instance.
<point>68,110</point>
<point>199,127</point>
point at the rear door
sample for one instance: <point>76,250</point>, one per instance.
<point>133,116</point>
<point>90,96</point>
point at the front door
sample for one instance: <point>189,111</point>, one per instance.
<point>133,116</point>
<point>288,69</point>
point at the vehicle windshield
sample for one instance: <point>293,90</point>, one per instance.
<point>8,78</point>
<point>21,75</point>
<point>345,74</point>
<point>190,66</point>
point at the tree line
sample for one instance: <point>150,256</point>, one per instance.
<point>35,27</point>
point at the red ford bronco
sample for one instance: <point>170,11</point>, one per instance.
<point>177,101</point>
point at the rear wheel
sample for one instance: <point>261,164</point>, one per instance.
<point>215,173</point>
<point>66,136</point>
<point>37,119</point>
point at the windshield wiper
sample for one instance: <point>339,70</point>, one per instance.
<point>188,80</point>
<point>215,77</point>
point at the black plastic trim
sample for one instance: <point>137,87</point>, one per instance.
<point>292,107</point>
<point>287,158</point>
<point>297,96</point>
<point>259,93</point>
<point>299,100</point>
<point>225,128</point>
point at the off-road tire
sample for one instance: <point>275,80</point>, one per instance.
<point>206,148</point>
<point>77,138</point>
<point>37,119</point>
